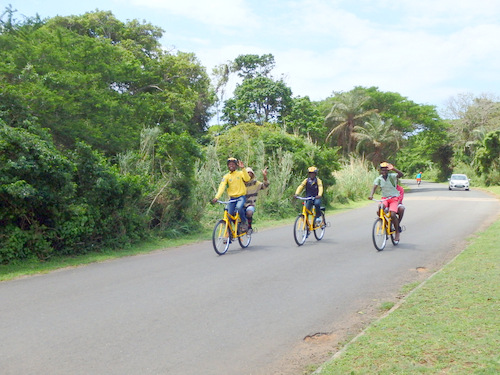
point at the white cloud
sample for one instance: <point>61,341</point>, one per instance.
<point>457,12</point>
<point>426,50</point>
<point>225,13</point>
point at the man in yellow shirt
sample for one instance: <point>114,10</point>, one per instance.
<point>236,189</point>
<point>314,189</point>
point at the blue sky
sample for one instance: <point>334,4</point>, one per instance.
<point>426,50</point>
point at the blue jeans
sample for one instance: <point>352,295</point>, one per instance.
<point>317,204</point>
<point>239,206</point>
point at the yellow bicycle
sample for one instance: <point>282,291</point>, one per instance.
<point>305,223</point>
<point>227,229</point>
<point>383,227</point>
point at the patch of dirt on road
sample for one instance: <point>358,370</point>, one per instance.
<point>317,348</point>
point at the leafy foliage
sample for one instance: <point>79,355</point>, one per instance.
<point>420,149</point>
<point>252,66</point>
<point>377,140</point>
<point>35,187</point>
<point>305,118</point>
<point>242,142</point>
<point>488,158</point>
<point>347,111</point>
<point>55,204</point>
<point>258,100</point>
<point>96,79</point>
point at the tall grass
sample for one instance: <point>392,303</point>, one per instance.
<point>274,202</point>
<point>353,182</point>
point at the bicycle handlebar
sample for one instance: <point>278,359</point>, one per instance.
<point>229,201</point>
<point>381,200</point>
<point>305,199</point>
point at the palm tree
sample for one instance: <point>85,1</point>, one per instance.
<point>475,118</point>
<point>377,140</point>
<point>346,112</point>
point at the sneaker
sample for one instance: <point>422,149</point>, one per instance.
<point>317,221</point>
<point>243,227</point>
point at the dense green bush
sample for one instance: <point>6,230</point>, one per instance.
<point>35,188</point>
<point>52,204</point>
<point>108,203</point>
<point>172,204</point>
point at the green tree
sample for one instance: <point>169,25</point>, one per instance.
<point>258,100</point>
<point>423,131</point>
<point>305,118</point>
<point>347,111</point>
<point>252,66</point>
<point>221,75</point>
<point>442,157</point>
<point>97,79</point>
<point>406,116</point>
<point>419,150</point>
<point>377,140</point>
<point>488,158</point>
<point>471,119</point>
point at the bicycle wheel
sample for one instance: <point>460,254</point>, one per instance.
<point>300,230</point>
<point>320,232</point>
<point>221,237</point>
<point>378,235</point>
<point>245,238</point>
<point>393,234</point>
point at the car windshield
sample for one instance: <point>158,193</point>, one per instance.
<point>458,178</point>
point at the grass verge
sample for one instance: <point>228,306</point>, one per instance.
<point>447,325</point>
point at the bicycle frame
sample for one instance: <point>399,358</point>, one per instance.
<point>226,230</point>
<point>385,215</point>
<point>303,225</point>
<point>232,221</point>
<point>309,213</point>
<point>383,228</point>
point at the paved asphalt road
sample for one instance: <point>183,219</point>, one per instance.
<point>188,311</point>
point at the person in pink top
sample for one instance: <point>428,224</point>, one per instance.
<point>401,207</point>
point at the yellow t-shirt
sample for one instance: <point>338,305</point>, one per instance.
<point>235,182</point>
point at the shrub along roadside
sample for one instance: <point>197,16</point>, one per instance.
<point>54,203</point>
<point>448,326</point>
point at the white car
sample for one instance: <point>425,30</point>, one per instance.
<point>459,181</point>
